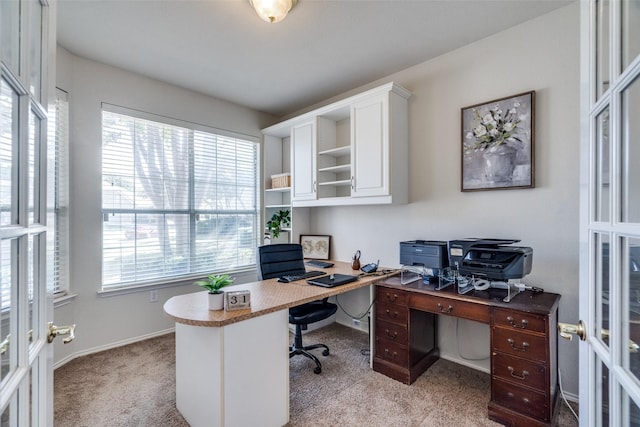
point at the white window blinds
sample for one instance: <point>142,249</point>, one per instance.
<point>176,201</point>
<point>58,197</point>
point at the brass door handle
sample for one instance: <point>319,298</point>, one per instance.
<point>633,346</point>
<point>54,331</point>
<point>4,345</point>
<point>567,329</point>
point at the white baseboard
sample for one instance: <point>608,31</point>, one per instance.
<point>109,346</point>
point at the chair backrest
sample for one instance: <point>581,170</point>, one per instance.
<point>280,259</point>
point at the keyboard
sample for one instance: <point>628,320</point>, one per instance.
<point>301,276</point>
<point>320,264</point>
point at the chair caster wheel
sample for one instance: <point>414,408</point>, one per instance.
<point>325,353</point>
<point>317,370</point>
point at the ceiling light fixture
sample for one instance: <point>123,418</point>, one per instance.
<point>273,10</point>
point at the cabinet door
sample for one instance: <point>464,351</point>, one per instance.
<point>370,148</point>
<point>303,166</point>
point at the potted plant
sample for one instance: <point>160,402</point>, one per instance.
<point>278,221</point>
<point>214,284</point>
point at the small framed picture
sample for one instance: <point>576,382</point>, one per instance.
<point>498,144</point>
<point>315,247</point>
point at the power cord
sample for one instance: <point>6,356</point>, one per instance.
<point>364,351</point>
<point>355,317</point>
<point>564,397</point>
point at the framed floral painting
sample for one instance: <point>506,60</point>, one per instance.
<point>315,247</point>
<point>498,144</point>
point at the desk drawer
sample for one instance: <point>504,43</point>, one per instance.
<point>392,313</point>
<point>528,346</point>
<point>391,332</point>
<point>392,352</point>
<point>520,399</point>
<point>519,371</point>
<point>452,307</point>
<point>519,320</point>
<point>391,296</point>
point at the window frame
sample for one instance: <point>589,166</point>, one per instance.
<point>192,212</point>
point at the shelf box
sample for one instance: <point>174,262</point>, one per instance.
<point>281,180</point>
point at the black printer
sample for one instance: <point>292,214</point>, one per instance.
<point>424,253</point>
<point>493,259</point>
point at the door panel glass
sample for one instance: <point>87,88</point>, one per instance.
<point>602,156</point>
<point>35,49</point>
<point>10,33</point>
<point>4,418</point>
<point>8,144</point>
<point>630,31</point>
<point>602,287</point>
<point>602,47</point>
<point>630,270</point>
<point>34,173</point>
<point>602,393</point>
<point>632,412</point>
<point>33,289</point>
<point>34,401</point>
<point>8,267</point>
<point>631,152</point>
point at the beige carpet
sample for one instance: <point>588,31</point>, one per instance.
<point>134,385</point>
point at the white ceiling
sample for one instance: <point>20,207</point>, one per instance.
<point>323,48</point>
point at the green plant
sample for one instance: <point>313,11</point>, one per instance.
<point>493,127</point>
<point>278,220</point>
<point>214,282</point>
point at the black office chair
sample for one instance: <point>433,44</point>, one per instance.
<point>283,259</point>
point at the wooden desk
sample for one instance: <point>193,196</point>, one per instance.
<point>524,339</point>
<point>232,368</point>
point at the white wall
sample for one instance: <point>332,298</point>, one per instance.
<point>105,321</point>
<point>540,55</point>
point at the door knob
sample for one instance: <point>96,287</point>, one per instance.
<point>54,331</point>
<point>633,346</point>
<point>567,329</point>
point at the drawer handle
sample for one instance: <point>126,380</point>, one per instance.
<point>390,354</point>
<point>390,314</point>
<point>512,343</point>
<point>524,375</point>
<point>391,335</point>
<point>442,310</point>
<point>525,400</point>
<point>392,298</point>
<point>523,323</point>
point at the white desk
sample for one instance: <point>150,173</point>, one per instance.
<point>232,368</point>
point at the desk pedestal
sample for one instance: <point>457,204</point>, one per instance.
<point>524,383</point>
<point>235,375</point>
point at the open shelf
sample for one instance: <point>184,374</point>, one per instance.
<point>337,152</point>
<point>336,169</point>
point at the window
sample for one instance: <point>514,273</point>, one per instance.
<point>178,199</point>
<point>58,197</point>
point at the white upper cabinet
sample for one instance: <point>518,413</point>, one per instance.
<point>303,161</point>
<point>351,152</point>
<point>370,146</point>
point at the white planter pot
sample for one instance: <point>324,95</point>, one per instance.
<point>216,301</point>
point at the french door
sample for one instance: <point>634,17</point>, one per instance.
<point>27,50</point>
<point>610,213</point>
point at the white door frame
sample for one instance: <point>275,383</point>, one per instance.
<point>604,299</point>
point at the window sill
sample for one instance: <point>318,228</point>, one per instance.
<point>62,300</point>
<point>124,290</point>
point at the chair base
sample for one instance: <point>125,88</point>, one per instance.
<point>298,348</point>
